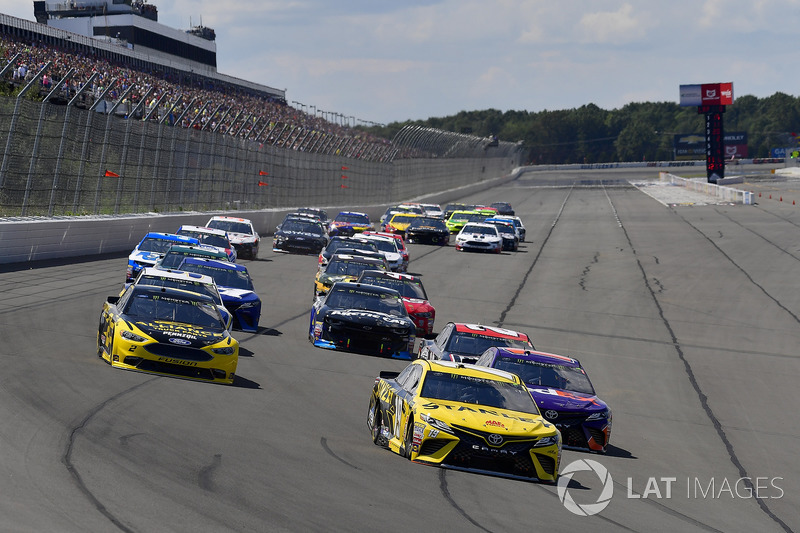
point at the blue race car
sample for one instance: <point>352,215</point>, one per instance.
<point>563,392</point>
<point>235,287</point>
<point>152,248</point>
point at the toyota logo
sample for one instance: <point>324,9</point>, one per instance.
<point>550,414</point>
<point>495,439</point>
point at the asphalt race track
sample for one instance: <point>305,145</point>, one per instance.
<point>686,318</point>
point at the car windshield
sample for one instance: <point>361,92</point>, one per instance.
<point>385,245</point>
<point>352,218</point>
<point>176,283</point>
<point>156,244</point>
<point>301,227</point>
<point>207,238</point>
<point>477,390</point>
<point>173,309</point>
<point>460,217</point>
<point>503,228</point>
<point>173,258</point>
<point>475,344</point>
<point>428,222</point>
<point>406,287</point>
<point>479,217</point>
<point>231,226</point>
<point>402,219</point>
<point>349,267</point>
<point>356,245</point>
<point>389,304</point>
<point>543,374</point>
<point>480,230</point>
<point>223,277</point>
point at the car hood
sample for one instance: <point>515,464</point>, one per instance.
<point>241,237</point>
<point>414,305</point>
<point>488,419</point>
<point>180,334</point>
<point>564,400</point>
<point>479,236</point>
<point>360,316</point>
<point>238,295</point>
<point>145,257</point>
<point>296,234</point>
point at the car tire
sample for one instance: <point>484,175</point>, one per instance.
<point>377,421</point>
<point>408,439</point>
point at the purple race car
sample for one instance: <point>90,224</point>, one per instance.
<point>563,392</point>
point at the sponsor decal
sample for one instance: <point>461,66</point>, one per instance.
<point>177,361</point>
<point>182,342</point>
<point>494,423</point>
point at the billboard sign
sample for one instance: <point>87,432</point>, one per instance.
<point>706,94</point>
<point>692,146</point>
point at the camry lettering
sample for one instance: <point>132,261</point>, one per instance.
<point>493,450</point>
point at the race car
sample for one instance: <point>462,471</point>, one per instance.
<point>457,219</point>
<point>388,246</point>
<point>339,241</point>
<point>344,267</point>
<point>241,232</point>
<point>398,223</point>
<point>321,214</point>
<point>349,223</point>
<point>507,231</point>
<point>167,331</point>
<point>432,210</point>
<point>503,208</point>
<point>428,230</point>
<point>152,248</point>
<point>563,392</point>
<point>235,287</point>
<point>299,236</point>
<point>362,318</point>
<point>413,293</point>
<point>187,281</point>
<point>464,417</point>
<point>401,244</point>
<point>517,223</point>
<point>461,342</point>
<point>479,237</point>
<point>210,237</point>
<point>449,209</point>
<point>401,208</point>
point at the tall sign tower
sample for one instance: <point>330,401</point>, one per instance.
<point>711,99</point>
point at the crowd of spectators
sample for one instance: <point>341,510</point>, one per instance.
<point>187,100</point>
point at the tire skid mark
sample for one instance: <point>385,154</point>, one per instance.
<point>205,478</point>
<point>690,371</point>
<point>324,443</point>
<point>446,493</point>
<point>585,273</point>
<point>66,458</point>
<point>774,245</point>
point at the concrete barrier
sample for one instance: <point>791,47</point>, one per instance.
<point>34,238</point>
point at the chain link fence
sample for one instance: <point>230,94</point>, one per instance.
<point>61,160</point>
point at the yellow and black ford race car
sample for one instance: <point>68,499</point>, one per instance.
<point>167,331</point>
<point>464,417</point>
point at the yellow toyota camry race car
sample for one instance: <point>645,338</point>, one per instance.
<point>464,417</point>
<point>167,331</point>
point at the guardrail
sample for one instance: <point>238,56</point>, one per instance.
<point>728,194</point>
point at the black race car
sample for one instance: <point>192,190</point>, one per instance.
<point>428,230</point>
<point>299,236</point>
<point>503,208</point>
<point>362,318</point>
<point>338,241</point>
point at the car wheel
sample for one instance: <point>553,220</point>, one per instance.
<point>377,424</point>
<point>408,440</point>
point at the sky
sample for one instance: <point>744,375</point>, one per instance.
<point>380,61</point>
